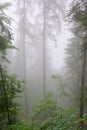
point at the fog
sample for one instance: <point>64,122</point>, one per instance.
<point>40,32</point>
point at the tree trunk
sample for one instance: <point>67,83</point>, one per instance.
<point>24,57</point>
<point>44,49</point>
<point>82,96</point>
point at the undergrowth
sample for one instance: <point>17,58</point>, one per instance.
<point>49,116</point>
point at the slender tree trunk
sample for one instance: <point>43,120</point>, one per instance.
<point>23,48</point>
<point>24,56</point>
<point>82,96</point>
<point>5,96</point>
<point>44,49</point>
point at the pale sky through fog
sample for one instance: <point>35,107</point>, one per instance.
<point>58,61</point>
<point>58,53</point>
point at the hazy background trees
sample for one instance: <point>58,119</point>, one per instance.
<point>77,50</point>
<point>39,24</point>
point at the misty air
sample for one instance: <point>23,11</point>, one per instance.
<point>43,59</point>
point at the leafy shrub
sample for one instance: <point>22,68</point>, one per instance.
<point>10,88</point>
<point>49,116</point>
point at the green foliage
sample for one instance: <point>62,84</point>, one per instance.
<point>49,116</point>
<point>4,6</point>
<point>5,21</point>
<point>5,32</point>
<point>42,111</point>
<point>62,85</point>
<point>13,88</point>
<point>78,19</point>
<point>19,126</point>
<point>10,86</point>
<point>5,44</point>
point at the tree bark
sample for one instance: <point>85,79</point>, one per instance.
<point>82,96</point>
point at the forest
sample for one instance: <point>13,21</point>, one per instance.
<point>43,65</point>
